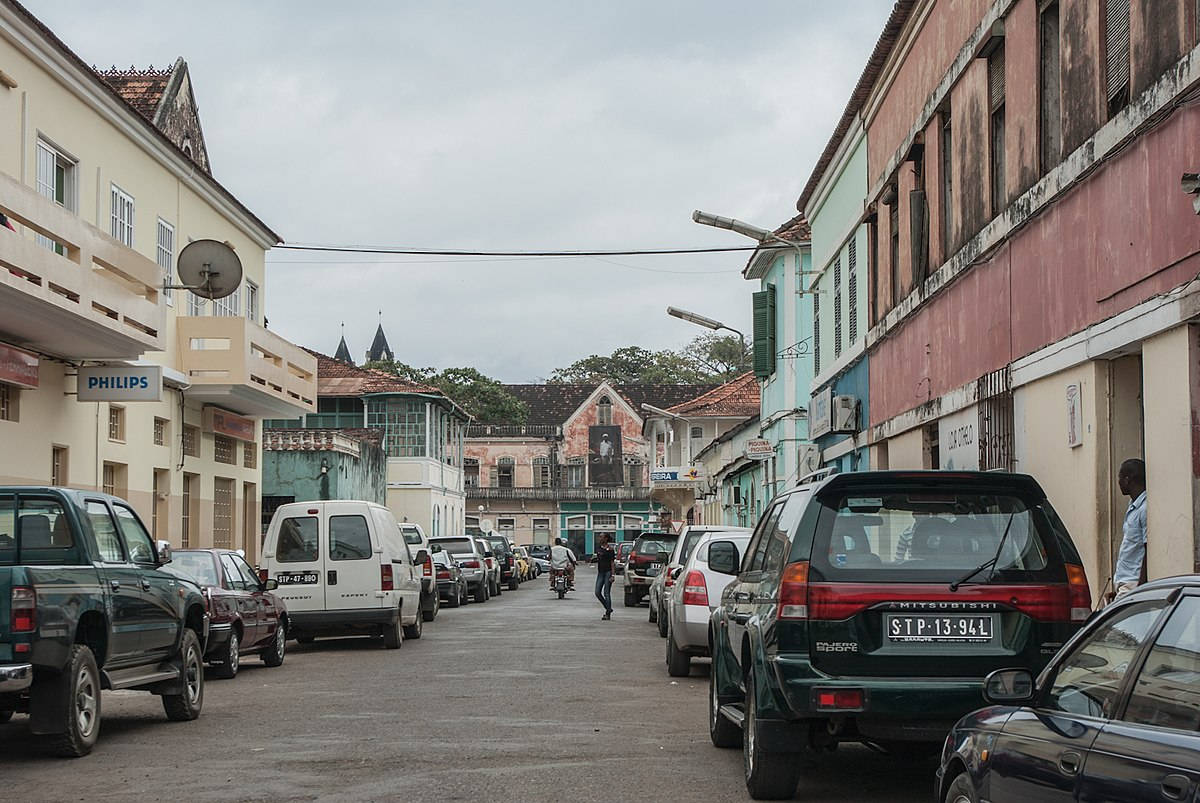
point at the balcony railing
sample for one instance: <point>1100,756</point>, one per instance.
<point>233,362</point>
<point>97,299</point>
<point>514,431</point>
<point>310,440</point>
<point>620,494</point>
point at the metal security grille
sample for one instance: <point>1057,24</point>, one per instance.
<point>58,465</point>
<point>1116,18</point>
<point>996,78</point>
<point>995,421</point>
<point>121,209</point>
<point>852,292</point>
<point>164,252</point>
<point>109,479</point>
<point>223,449</point>
<point>8,403</point>
<point>837,307</point>
<point>250,455</point>
<point>222,513</point>
<point>191,441</point>
<point>160,431</point>
<point>186,519</point>
<point>116,423</point>
<point>817,333</point>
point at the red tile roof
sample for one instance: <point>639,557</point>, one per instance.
<point>337,378</point>
<point>141,89</point>
<point>735,399</point>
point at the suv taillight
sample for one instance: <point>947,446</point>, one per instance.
<point>24,609</point>
<point>263,575</point>
<point>429,567</point>
<point>695,590</point>
<point>793,591</point>
<point>385,577</point>
<point>1080,594</point>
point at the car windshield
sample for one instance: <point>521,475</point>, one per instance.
<point>456,546</point>
<point>689,543</point>
<point>934,535</point>
<point>652,546</point>
<point>195,566</point>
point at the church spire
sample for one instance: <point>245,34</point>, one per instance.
<point>380,350</point>
<point>343,351</point>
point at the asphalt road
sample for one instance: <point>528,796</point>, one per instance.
<point>523,698</point>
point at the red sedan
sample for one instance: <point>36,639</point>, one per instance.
<point>245,617</point>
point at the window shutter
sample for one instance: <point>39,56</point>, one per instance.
<point>837,307</point>
<point>817,332</point>
<point>852,289</point>
<point>764,332</point>
<point>1117,42</point>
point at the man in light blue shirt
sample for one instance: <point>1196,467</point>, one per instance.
<point>1131,560</point>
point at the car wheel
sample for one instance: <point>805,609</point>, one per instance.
<point>679,663</point>
<point>393,638</point>
<point>81,684</point>
<point>429,615</point>
<point>5,716</point>
<point>453,600</point>
<point>186,706</point>
<point>769,775</point>
<point>413,631</point>
<point>481,593</point>
<point>497,590</point>
<point>662,623</point>
<point>721,731</point>
<point>229,658</point>
<point>962,790</point>
<point>653,615</point>
<point>514,584</point>
<point>273,655</point>
<point>631,599</point>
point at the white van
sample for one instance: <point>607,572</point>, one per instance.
<point>343,568</point>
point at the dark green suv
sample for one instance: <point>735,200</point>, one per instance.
<point>868,607</point>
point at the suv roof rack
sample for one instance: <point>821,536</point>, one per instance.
<point>819,474</point>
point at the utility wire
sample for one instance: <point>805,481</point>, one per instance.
<point>452,252</point>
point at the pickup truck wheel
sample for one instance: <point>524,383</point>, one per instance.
<point>429,613</point>
<point>229,658</point>
<point>514,583</point>
<point>481,592</point>
<point>273,655</point>
<point>769,775</point>
<point>631,599</point>
<point>721,731</point>
<point>413,631</point>
<point>82,727</point>
<point>679,663</point>
<point>393,638</point>
<point>5,716</point>
<point>653,615</point>
<point>186,706</point>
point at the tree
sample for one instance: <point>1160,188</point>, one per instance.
<point>720,357</point>
<point>481,396</point>
<point>708,358</point>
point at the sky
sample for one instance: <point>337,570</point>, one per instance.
<point>482,125</point>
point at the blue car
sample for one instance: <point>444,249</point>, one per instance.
<point>1115,716</point>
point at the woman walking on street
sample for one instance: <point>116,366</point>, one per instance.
<point>604,574</point>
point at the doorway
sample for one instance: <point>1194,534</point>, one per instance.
<point>1126,439</point>
<point>251,536</point>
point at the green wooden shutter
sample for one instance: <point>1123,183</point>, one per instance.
<point>764,332</point>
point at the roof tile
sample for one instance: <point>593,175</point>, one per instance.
<point>737,398</point>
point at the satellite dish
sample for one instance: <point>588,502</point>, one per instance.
<point>209,269</point>
<point>485,525</point>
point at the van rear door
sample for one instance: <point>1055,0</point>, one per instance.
<point>353,552</point>
<point>298,564</point>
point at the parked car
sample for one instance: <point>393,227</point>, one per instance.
<point>870,606</point>
<point>492,564</point>
<point>451,582</point>
<point>525,567</point>
<point>414,536</point>
<point>1114,716</point>
<point>663,582</point>
<point>343,568</point>
<point>245,617</point>
<point>539,555</point>
<point>507,559</point>
<point>623,550</point>
<point>86,609</point>
<point>469,554</point>
<point>645,560</point>
<point>695,595</point>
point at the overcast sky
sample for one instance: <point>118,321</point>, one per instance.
<point>488,125</point>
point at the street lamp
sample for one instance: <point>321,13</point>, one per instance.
<point>754,233</point>
<point>707,323</point>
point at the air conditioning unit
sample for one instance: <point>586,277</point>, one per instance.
<point>844,414</point>
<point>808,459</point>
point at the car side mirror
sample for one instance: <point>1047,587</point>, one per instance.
<point>675,574</point>
<point>422,557</point>
<point>663,557</point>
<point>1008,687</point>
<point>270,585</point>
<point>164,552</point>
<point>723,557</point>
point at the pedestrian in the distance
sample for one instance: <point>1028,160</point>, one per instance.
<point>1131,560</point>
<point>604,574</point>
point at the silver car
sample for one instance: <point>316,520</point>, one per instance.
<point>693,597</point>
<point>468,553</point>
<point>663,584</point>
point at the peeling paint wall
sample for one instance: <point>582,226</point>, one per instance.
<point>1159,32</point>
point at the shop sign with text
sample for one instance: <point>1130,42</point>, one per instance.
<point>119,383</point>
<point>223,422</point>
<point>18,367</point>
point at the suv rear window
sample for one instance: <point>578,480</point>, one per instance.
<point>647,545</point>
<point>40,528</point>
<point>456,546</point>
<point>934,535</point>
<point>411,535</point>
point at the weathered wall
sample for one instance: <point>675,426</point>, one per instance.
<point>1159,30</point>
<point>1083,107</point>
<point>1021,97</point>
<point>969,112</point>
<point>298,474</point>
<point>906,450</point>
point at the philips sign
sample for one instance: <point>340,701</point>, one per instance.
<point>120,383</point>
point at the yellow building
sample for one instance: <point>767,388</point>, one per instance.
<point>104,179</point>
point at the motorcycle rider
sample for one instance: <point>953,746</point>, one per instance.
<point>561,557</point>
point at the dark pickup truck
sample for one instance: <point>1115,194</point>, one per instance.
<point>83,608</point>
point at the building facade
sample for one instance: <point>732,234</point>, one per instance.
<point>104,178</point>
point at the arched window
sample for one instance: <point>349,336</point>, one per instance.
<point>604,411</point>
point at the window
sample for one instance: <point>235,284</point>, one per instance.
<point>116,423</point>
<point>121,209</point>
<point>9,402</point>
<point>252,301</point>
<point>604,521</point>
<point>945,143</point>
<point>471,472</point>
<point>756,550</point>
<point>852,291</point>
<point>541,525</point>
<point>349,538</point>
<point>336,413</point>
<point>191,441</point>
<point>233,575</point>
<point>894,249</point>
<point>227,307</point>
<point>697,433</point>
<point>58,465</point>
<point>816,332</point>
<point>42,524</point>
<point>873,266</point>
<point>506,524</point>
<point>160,431</point>
<point>577,522</point>
<point>634,470</point>
<point>164,254</point>
<point>403,424</point>
<point>1050,89</point>
<point>250,455</point>
<point>502,473</point>
<point>222,527</point>
<point>764,331</point>
<point>197,306</point>
<point>55,180</point>
<point>161,484</point>
<point>1116,51</point>
<point>1167,691</point>
<point>837,307</point>
<point>996,103</point>
<point>112,478</point>
<point>576,472</point>
<point>224,449</point>
<point>107,540</point>
<point>604,412</point>
<point>1088,681</point>
<point>541,472</point>
<point>137,540</point>
<point>297,542</point>
<point>185,523</point>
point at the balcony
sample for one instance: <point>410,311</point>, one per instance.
<point>618,494</point>
<point>236,364</point>
<point>96,300</point>
<point>514,431</point>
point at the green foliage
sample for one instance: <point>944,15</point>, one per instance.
<point>708,358</point>
<point>483,397</point>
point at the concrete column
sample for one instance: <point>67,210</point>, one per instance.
<point>1171,382</point>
